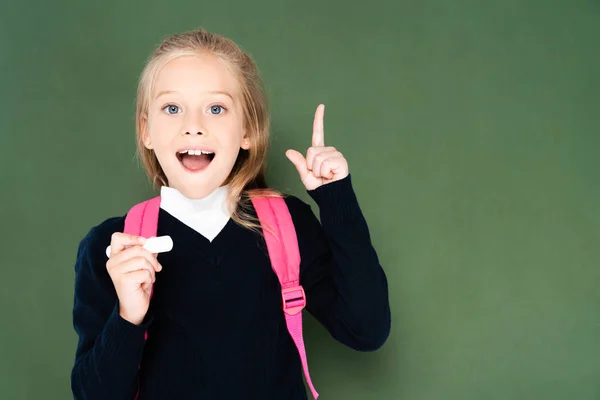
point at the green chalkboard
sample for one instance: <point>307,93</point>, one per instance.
<point>472,131</point>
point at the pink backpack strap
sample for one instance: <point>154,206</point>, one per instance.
<point>142,220</point>
<point>282,245</point>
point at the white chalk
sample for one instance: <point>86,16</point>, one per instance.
<point>159,244</point>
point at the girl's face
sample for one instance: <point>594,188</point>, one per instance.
<point>195,123</point>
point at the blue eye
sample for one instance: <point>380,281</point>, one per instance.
<point>216,110</point>
<point>171,109</point>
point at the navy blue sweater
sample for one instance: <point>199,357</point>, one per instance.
<point>216,329</point>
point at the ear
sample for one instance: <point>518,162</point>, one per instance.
<point>145,134</point>
<point>245,143</point>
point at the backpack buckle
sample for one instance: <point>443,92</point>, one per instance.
<point>294,299</point>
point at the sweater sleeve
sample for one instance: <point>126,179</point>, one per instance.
<point>110,348</point>
<point>346,287</point>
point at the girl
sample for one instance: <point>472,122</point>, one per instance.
<point>215,325</point>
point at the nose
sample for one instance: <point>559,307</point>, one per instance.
<point>193,125</point>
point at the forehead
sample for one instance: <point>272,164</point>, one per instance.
<point>194,75</point>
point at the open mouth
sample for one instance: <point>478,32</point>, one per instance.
<point>195,160</point>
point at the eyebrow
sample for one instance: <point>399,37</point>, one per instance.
<point>163,92</point>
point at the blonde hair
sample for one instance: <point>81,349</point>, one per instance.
<point>248,176</point>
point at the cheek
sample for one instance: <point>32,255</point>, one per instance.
<point>230,145</point>
<point>161,132</point>
<point>230,148</point>
<point>228,133</point>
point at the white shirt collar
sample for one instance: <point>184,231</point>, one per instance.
<point>208,216</point>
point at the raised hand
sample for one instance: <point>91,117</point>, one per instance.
<point>322,164</point>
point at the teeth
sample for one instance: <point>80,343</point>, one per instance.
<point>195,152</point>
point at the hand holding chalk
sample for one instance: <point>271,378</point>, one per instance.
<point>132,266</point>
<point>159,244</point>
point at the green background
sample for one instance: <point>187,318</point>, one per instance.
<point>472,134</point>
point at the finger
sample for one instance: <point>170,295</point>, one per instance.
<point>147,287</point>
<point>120,241</point>
<point>140,277</point>
<point>313,151</point>
<point>299,162</point>
<point>135,264</point>
<point>318,160</point>
<point>316,165</point>
<point>327,168</point>
<point>318,138</point>
<point>338,164</point>
<point>133,252</point>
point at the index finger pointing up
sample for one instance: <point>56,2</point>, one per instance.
<point>318,139</point>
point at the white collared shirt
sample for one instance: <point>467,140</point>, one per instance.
<point>207,216</point>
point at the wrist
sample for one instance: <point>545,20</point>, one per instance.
<point>133,319</point>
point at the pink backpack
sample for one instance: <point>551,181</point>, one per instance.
<point>282,245</point>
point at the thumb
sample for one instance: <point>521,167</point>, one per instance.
<point>299,162</point>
